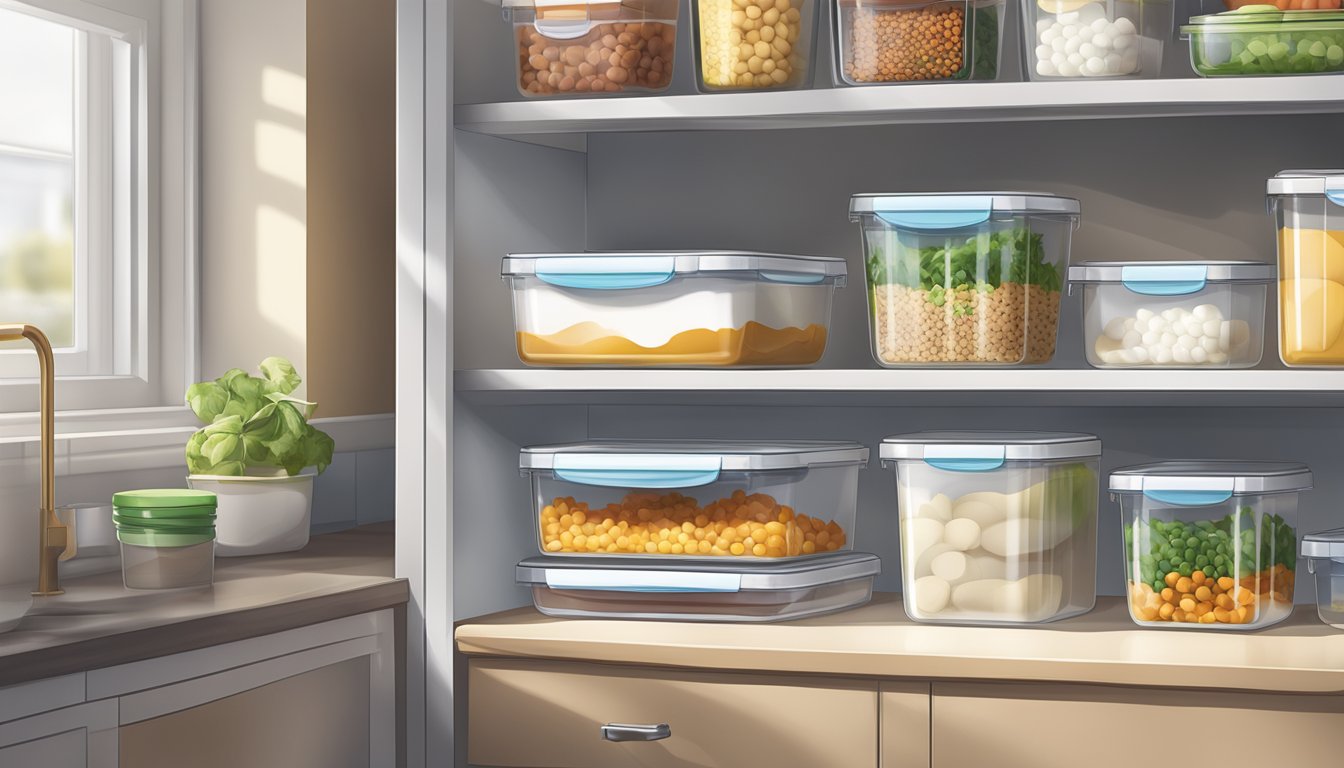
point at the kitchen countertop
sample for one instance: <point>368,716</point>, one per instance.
<point>98,623</point>
<point>1299,655</point>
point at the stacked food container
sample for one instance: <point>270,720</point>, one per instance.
<point>1073,39</point>
<point>711,530</point>
<point>167,537</point>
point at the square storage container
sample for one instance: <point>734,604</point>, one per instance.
<point>746,45</point>
<point>1196,314</point>
<point>708,500</point>
<point>593,47</point>
<point>1259,40</point>
<point>996,527</point>
<point>664,308</point>
<point>904,41</point>
<point>1210,544</point>
<point>964,278</point>
<point>1077,39</point>
<point>1324,555</point>
<point>596,587</point>
<point>1308,210</point>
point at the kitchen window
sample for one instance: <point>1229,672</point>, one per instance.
<point>96,198</point>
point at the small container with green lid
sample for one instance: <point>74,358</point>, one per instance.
<point>167,537</point>
<point>1257,40</point>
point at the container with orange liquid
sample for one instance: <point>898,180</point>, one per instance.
<point>1308,207</point>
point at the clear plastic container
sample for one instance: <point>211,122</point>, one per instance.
<point>748,45</point>
<point>708,499</point>
<point>964,278</point>
<point>1195,314</point>
<point>904,41</point>
<point>1077,39</point>
<point>672,308</point>
<point>996,527</point>
<point>593,47</point>
<point>1260,40</point>
<point>599,588</point>
<point>168,567</point>
<point>1210,544</point>
<point>167,537</point>
<point>1308,210</point>
<point>1324,555</point>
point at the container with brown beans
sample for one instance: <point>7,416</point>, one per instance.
<point>595,47</point>
<point>753,44</point>
<point>895,41</point>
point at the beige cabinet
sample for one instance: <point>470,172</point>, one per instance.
<point>545,714</point>
<point>903,741</point>
<point>1064,726</point>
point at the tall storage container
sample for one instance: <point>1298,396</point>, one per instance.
<point>1210,544</point>
<point>996,527</point>
<point>754,44</point>
<point>964,278</point>
<point>1308,210</point>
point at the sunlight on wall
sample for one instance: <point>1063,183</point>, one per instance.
<point>282,152</point>
<point>282,250</point>
<point>284,90</point>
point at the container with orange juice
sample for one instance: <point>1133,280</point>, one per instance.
<point>1308,208</point>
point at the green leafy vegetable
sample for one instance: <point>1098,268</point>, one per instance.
<point>983,262</point>
<point>253,422</point>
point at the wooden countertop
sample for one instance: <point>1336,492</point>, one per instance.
<point>878,640</point>
<point>98,623</point>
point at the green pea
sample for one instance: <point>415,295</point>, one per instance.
<point>1190,555</point>
<point>1164,566</point>
<point>1185,569</point>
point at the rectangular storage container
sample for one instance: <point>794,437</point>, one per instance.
<point>748,45</point>
<point>1195,314</point>
<point>593,47</point>
<point>1210,544</point>
<point>996,527</point>
<point>1260,40</point>
<point>1308,210</point>
<point>599,588</point>
<point>672,308</point>
<point>964,278</point>
<point>708,499</point>
<point>1077,39</point>
<point>904,41</point>
<point>1324,555</point>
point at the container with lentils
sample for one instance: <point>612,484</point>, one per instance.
<point>593,47</point>
<point>964,279</point>
<point>753,44</point>
<point>898,41</point>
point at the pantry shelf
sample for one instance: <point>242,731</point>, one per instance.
<point>1092,387</point>
<point>933,103</point>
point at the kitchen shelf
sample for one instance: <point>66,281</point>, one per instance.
<point>933,103</point>
<point>1023,386</point>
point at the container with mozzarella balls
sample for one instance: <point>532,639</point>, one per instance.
<point>996,527</point>
<point>1189,314</point>
<point>753,44</point>
<point>1076,39</point>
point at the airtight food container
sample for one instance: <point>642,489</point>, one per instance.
<point>1324,555</point>
<point>910,41</point>
<point>598,587</point>
<point>707,500</point>
<point>1260,40</point>
<point>745,45</point>
<point>1308,210</point>
<point>996,527</point>
<point>167,538</point>
<point>1210,544</point>
<point>1086,39</point>
<point>968,278</point>
<point>1189,314</point>
<point>593,47</point>
<point>672,308</point>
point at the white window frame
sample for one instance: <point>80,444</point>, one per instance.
<point>153,229</point>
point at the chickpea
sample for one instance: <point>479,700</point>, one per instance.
<point>609,59</point>
<point>921,43</point>
<point>750,44</point>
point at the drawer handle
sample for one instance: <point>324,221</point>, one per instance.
<point>624,732</point>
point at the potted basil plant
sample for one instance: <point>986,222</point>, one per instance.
<point>252,453</point>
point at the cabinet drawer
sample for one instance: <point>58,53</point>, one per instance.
<point>543,714</point>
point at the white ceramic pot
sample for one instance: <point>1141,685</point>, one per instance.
<point>259,515</point>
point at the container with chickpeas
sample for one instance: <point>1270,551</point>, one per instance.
<point>753,44</point>
<point>970,279</point>
<point>593,47</point>
<point>902,41</point>
<point>708,500</point>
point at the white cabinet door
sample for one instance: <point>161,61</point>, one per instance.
<point>82,736</point>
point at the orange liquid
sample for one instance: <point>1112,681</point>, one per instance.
<point>754,344</point>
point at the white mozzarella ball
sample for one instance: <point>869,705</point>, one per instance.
<point>1068,70</point>
<point>1043,52</point>
<point>1198,355</point>
<point>1115,329</point>
<point>1143,313</point>
<point>1049,36</point>
<point>1123,26</point>
<point>1115,64</point>
<point>1212,328</point>
<point>1100,25</point>
<point>1132,338</point>
<point>1178,327</point>
<point>1140,354</point>
<point>1046,68</point>
<point>1187,342</point>
<point>1122,42</point>
<point>1217,358</point>
<point>1162,357</point>
<point>1168,339</point>
<point>1076,60</point>
<point>1090,13</point>
<point>1209,344</point>
<point>1206,312</point>
<point>1072,45</point>
<point>1089,51</point>
<point>1126,356</point>
<point>1143,324</point>
<point>1159,323</point>
<point>1102,40</point>
<point>1152,337</point>
<point>1043,25</point>
<point>1180,354</point>
<point>1068,17</point>
<point>1058,58</point>
<point>1070,30</point>
<point>1058,44</point>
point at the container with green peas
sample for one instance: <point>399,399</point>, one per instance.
<point>1210,544</point>
<point>1257,40</point>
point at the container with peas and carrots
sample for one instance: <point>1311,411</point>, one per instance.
<point>1210,543</point>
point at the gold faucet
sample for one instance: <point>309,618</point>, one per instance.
<point>51,541</point>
